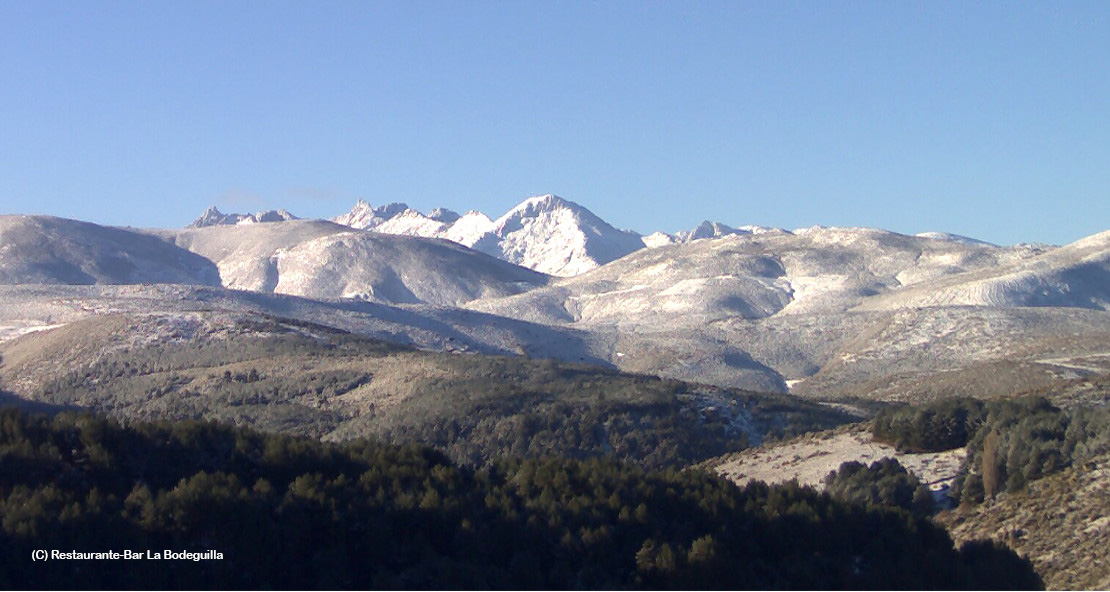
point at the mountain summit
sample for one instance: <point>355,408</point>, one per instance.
<point>545,233</point>
<point>555,236</point>
<point>214,217</point>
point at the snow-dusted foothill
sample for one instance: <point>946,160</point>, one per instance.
<point>49,250</point>
<point>318,259</point>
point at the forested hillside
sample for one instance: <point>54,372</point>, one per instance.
<point>290,512</point>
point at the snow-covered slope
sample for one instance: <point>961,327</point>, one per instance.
<point>948,236</point>
<point>48,250</point>
<point>213,217</point>
<point>744,308</point>
<point>469,228</point>
<point>26,309</point>
<point>319,259</point>
<point>759,275</point>
<point>1072,276</point>
<point>544,233</point>
<point>658,239</point>
<point>556,237</point>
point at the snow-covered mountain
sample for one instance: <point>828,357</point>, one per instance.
<point>557,237</point>
<point>214,217</point>
<point>748,275</point>
<point>1075,276</point>
<point>709,229</point>
<point>544,233</point>
<point>399,218</point>
<point>825,311</point>
<point>366,217</point>
<point>742,308</point>
<point>319,259</point>
<point>49,250</point>
<point>948,236</point>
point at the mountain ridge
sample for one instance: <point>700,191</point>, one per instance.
<point>212,216</point>
<point>825,312</point>
<point>545,233</point>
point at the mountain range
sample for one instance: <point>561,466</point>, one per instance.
<point>545,233</point>
<point>831,313</point>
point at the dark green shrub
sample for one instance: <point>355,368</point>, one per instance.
<point>1022,440</point>
<point>938,426</point>
<point>885,483</point>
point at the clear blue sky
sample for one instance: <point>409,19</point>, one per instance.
<point>980,118</point>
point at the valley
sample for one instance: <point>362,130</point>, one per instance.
<point>756,353</point>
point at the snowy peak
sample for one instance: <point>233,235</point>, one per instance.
<point>956,238</point>
<point>545,233</point>
<point>469,228</point>
<point>366,217</point>
<point>707,229</point>
<point>443,215</point>
<point>398,218</point>
<point>536,205</point>
<point>214,217</point>
<point>658,239</point>
<point>556,236</point>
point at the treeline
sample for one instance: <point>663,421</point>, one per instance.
<point>1010,442</point>
<point>289,512</point>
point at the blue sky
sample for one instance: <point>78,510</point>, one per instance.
<point>986,119</point>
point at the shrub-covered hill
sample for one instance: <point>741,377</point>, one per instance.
<point>1035,476</point>
<point>293,512</point>
<point>1059,522</point>
<point>286,376</point>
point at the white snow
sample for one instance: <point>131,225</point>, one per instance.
<point>544,233</point>
<point>213,217</point>
<point>956,238</point>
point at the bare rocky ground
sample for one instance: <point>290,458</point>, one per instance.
<point>810,458</point>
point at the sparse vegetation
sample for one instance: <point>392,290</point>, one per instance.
<point>278,375</point>
<point>1060,522</point>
